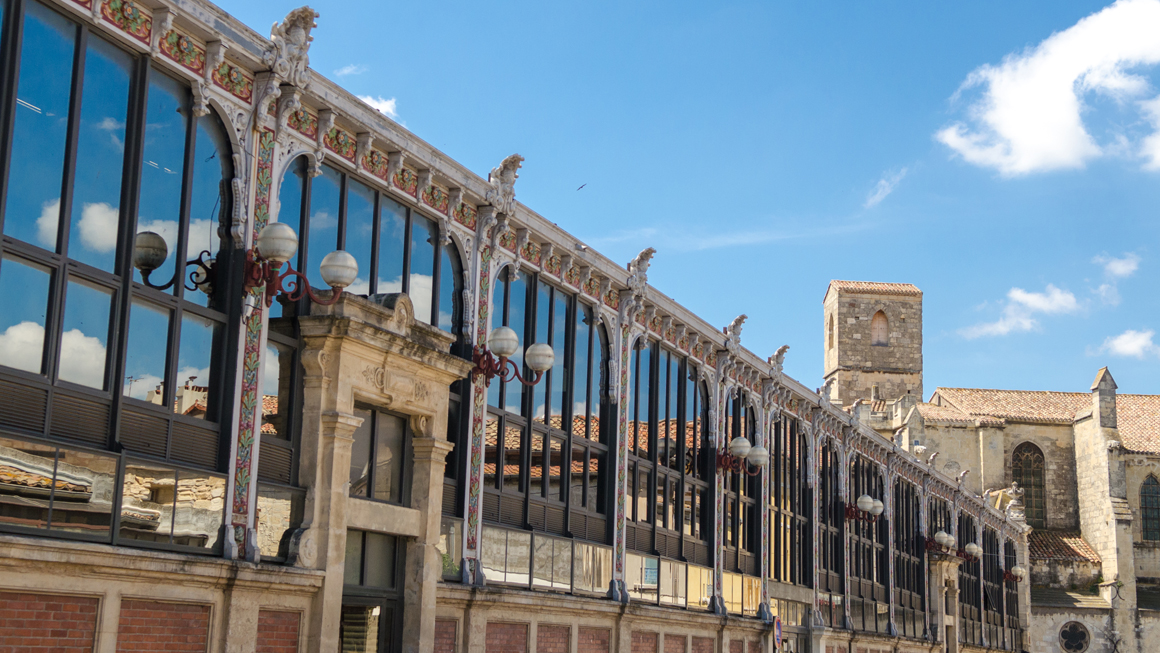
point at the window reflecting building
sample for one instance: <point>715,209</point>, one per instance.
<point>260,453</point>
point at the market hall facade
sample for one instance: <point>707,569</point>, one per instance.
<point>202,451</point>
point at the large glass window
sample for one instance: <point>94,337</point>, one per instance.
<point>992,588</point>
<point>378,455</point>
<point>970,586</point>
<point>1027,469</point>
<point>869,606</point>
<point>545,459</point>
<point>742,491</point>
<point>372,607</point>
<point>909,556</point>
<point>831,548</point>
<point>118,362</point>
<point>791,507</point>
<point>1150,508</point>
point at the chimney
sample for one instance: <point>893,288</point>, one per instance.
<point>1104,399</point>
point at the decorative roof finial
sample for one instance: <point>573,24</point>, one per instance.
<point>733,333</point>
<point>503,181</point>
<point>778,359</point>
<point>289,59</point>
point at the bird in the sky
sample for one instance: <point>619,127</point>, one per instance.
<point>582,186</point>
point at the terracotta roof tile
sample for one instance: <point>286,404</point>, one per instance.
<point>952,415</point>
<point>876,288</point>
<point>1056,545</point>
<point>1138,417</point>
<point>1038,406</point>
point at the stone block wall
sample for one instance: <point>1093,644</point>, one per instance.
<point>1058,444</point>
<point>1091,468</point>
<point>1064,574</point>
<point>51,622</point>
<point>1046,622</point>
<point>857,363</point>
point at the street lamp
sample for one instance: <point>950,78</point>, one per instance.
<point>1015,574</point>
<point>743,457</point>
<point>150,251</point>
<point>973,550</point>
<point>866,508</point>
<point>274,246</point>
<point>504,343</point>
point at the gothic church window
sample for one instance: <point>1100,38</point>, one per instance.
<point>1150,508</point>
<point>1027,470</point>
<point>831,333</point>
<point>879,330</point>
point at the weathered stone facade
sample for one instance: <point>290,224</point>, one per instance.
<point>861,366</point>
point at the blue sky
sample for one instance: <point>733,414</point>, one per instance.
<point>999,155</point>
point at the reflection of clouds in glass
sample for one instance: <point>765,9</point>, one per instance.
<point>360,287</point>
<point>202,235</point>
<point>48,223</point>
<point>21,346</point>
<point>98,227</point>
<point>116,129</point>
<point>323,220</point>
<point>139,386</point>
<point>392,286</point>
<point>82,358</point>
<point>202,374</point>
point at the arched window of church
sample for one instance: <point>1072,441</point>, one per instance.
<point>1027,470</point>
<point>879,328</point>
<point>831,333</point>
<point>1150,508</point>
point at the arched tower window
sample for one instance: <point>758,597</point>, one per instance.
<point>1027,470</point>
<point>1150,508</point>
<point>879,329</point>
<point>831,333</point>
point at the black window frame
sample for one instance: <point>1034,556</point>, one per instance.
<point>868,551</point>
<point>970,593</point>
<point>1150,509</point>
<point>1029,470</point>
<point>909,560</point>
<point>385,598</point>
<point>407,455</point>
<point>791,504</point>
<point>831,534</point>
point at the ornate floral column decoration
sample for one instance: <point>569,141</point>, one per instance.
<point>489,228</point>
<point>631,304</point>
<point>289,64</point>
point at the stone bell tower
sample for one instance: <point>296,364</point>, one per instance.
<point>872,341</point>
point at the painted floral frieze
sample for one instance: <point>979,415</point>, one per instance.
<point>232,79</point>
<point>436,198</point>
<point>552,266</point>
<point>375,162</point>
<point>340,143</point>
<point>592,288</point>
<point>129,17</point>
<point>406,180</point>
<point>184,50</point>
<point>508,241</point>
<point>572,277</point>
<point>304,122</point>
<point>612,299</point>
<point>464,215</point>
<point>531,253</point>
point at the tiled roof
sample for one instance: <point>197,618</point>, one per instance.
<point>1055,545</point>
<point>1057,598</point>
<point>1038,406</point>
<point>952,415</point>
<point>1138,417</point>
<point>876,288</point>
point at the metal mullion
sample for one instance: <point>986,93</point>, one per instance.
<point>407,252</point>
<point>376,223</point>
<point>131,179</point>
<point>186,191</point>
<point>342,191</point>
<point>436,269</point>
<point>9,78</point>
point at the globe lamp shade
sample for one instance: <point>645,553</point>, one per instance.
<point>739,447</point>
<point>941,538</point>
<point>1019,572</point>
<point>758,456</point>
<point>503,342</point>
<point>339,269</point>
<point>540,357</point>
<point>277,242</point>
<point>877,508</point>
<point>149,251</point>
<point>865,503</point>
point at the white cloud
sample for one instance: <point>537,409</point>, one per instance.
<point>98,227</point>
<point>350,69</point>
<point>1118,268</point>
<point>1020,310</point>
<point>885,186</point>
<point>82,359</point>
<point>381,105</point>
<point>1131,343</point>
<point>140,386</point>
<point>1029,116</point>
<point>1109,294</point>
<point>48,223</point>
<point>21,346</point>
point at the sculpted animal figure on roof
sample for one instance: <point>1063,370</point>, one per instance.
<point>503,181</point>
<point>291,37</point>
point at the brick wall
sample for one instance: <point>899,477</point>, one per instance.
<point>445,635</point>
<point>736,646</point>
<point>47,622</point>
<point>157,626</point>
<point>702,645</point>
<point>506,638</point>
<point>553,639</point>
<point>754,646</point>
<point>593,640</point>
<point>675,643</point>
<point>277,631</point>
<point>644,642</point>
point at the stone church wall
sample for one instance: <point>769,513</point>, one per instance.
<point>859,364</point>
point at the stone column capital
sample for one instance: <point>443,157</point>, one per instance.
<point>431,450</point>
<point>340,426</point>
